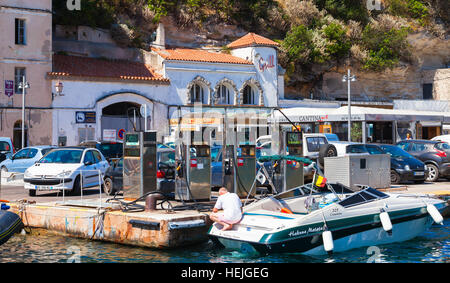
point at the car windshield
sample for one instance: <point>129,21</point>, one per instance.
<point>442,146</point>
<point>63,156</point>
<point>111,149</point>
<point>167,157</point>
<point>373,149</point>
<point>396,151</point>
<point>332,137</point>
<point>45,150</point>
<point>356,148</point>
<point>4,146</point>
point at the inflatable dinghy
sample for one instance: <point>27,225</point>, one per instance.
<point>10,223</point>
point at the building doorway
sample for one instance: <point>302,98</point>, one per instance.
<point>119,118</point>
<point>17,135</point>
<point>380,132</point>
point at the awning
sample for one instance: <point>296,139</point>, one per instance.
<point>304,115</point>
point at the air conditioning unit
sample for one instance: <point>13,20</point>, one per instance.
<point>362,169</point>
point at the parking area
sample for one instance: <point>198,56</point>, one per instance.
<point>17,192</point>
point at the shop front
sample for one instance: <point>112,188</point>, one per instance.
<point>373,125</point>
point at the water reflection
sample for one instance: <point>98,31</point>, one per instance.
<point>431,246</point>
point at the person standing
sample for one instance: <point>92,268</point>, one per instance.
<point>232,209</point>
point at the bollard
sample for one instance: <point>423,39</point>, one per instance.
<point>150,201</point>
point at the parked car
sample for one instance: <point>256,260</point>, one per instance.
<point>111,150</point>
<point>444,138</point>
<point>67,168</point>
<point>113,179</point>
<point>340,148</point>
<point>404,167</point>
<point>24,158</point>
<point>432,154</point>
<point>6,148</point>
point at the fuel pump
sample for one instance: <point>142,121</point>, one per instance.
<point>139,164</point>
<point>245,170</point>
<point>239,162</point>
<point>193,181</point>
<point>293,170</point>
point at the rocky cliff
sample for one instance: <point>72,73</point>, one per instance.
<point>392,50</point>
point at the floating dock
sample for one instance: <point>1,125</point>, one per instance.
<point>155,229</point>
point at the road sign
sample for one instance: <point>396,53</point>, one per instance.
<point>9,88</point>
<point>121,133</point>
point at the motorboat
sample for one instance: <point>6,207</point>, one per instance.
<point>331,219</point>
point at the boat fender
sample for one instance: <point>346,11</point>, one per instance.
<point>10,223</point>
<point>386,222</point>
<point>328,244</point>
<point>437,217</point>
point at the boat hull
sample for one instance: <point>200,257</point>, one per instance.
<point>404,229</point>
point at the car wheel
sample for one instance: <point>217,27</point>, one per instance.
<point>395,178</point>
<point>108,186</point>
<point>327,150</point>
<point>32,193</point>
<point>433,173</point>
<point>76,189</point>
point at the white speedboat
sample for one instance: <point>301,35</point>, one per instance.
<point>335,219</point>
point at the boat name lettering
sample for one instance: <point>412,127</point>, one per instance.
<point>304,232</point>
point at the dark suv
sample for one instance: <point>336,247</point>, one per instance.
<point>404,167</point>
<point>111,150</point>
<point>435,154</point>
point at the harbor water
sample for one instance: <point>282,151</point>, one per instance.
<point>431,246</point>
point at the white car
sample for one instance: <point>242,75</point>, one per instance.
<point>444,138</point>
<point>67,168</point>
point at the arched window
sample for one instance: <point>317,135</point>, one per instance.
<point>224,95</point>
<point>197,94</point>
<point>249,96</point>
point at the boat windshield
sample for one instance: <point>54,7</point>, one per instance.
<point>297,192</point>
<point>364,196</point>
<point>307,189</point>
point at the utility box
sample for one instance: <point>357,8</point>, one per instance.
<point>352,170</point>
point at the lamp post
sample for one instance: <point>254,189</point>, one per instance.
<point>59,88</point>
<point>23,85</point>
<point>348,78</point>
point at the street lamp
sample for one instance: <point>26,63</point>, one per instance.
<point>348,78</point>
<point>59,88</point>
<point>23,85</point>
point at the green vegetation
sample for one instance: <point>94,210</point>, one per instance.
<point>320,33</point>
<point>386,48</point>
<point>414,9</point>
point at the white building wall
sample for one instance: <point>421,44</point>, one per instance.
<point>182,73</point>
<point>94,96</point>
<point>265,63</point>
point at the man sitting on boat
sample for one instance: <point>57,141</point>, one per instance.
<point>232,209</point>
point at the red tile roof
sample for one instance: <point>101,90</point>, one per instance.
<point>180,54</point>
<point>252,39</point>
<point>74,66</point>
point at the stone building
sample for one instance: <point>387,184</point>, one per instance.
<point>26,51</point>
